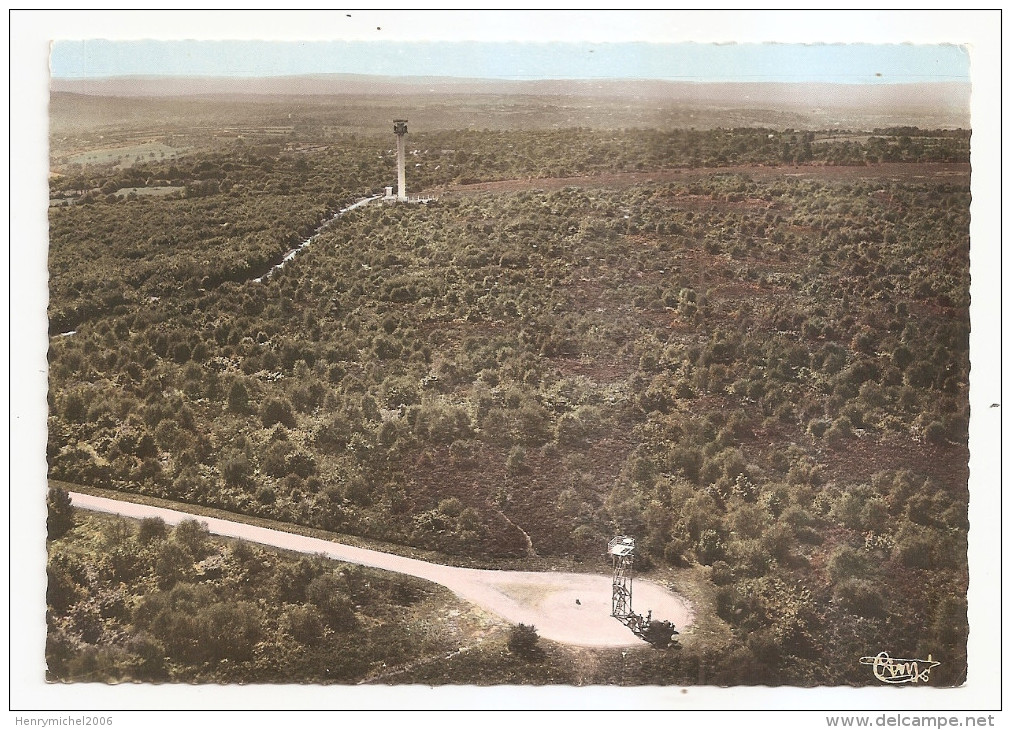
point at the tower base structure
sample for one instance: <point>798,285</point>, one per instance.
<point>660,634</point>
<point>400,129</point>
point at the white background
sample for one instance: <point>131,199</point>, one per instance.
<point>30,33</point>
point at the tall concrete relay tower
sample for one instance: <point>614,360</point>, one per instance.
<point>400,129</point>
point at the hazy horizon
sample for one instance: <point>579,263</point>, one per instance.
<point>466,79</point>
<point>853,64</point>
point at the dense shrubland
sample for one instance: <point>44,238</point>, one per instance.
<point>305,165</point>
<point>142,601</point>
<point>234,209</point>
<point>767,377</point>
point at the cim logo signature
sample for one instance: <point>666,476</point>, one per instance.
<point>892,670</point>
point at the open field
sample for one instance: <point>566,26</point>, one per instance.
<point>101,120</point>
<point>125,156</point>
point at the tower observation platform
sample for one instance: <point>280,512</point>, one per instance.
<point>658,633</point>
<point>400,129</point>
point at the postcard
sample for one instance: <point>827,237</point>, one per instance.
<point>380,365</point>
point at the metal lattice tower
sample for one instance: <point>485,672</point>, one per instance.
<point>622,551</point>
<point>400,129</point>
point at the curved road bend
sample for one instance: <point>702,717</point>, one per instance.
<point>546,600</point>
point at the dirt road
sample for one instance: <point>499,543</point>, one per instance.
<point>571,608</point>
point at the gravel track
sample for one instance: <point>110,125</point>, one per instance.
<point>570,608</point>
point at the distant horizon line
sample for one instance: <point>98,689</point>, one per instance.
<point>845,64</point>
<point>518,80</point>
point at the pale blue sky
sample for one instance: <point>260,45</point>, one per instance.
<point>837,63</point>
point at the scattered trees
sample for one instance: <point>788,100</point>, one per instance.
<point>61,513</point>
<point>737,366</point>
<point>523,642</point>
<point>243,614</point>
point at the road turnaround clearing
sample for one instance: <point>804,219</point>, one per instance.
<point>569,608</point>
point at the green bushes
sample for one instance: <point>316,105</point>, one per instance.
<point>60,519</point>
<point>722,371</point>
<point>840,429</point>
<point>915,551</point>
<point>327,593</point>
<point>151,529</point>
<point>516,462</point>
<point>238,615</point>
<point>859,597</point>
<point>710,547</point>
<point>846,563</point>
<point>283,458</point>
<point>523,643</point>
<point>935,432</point>
<point>236,469</point>
<point>723,469</point>
<point>277,410</point>
<point>575,428</point>
<point>305,624</point>
<point>450,527</point>
<point>196,628</point>
<point>463,454</point>
<point>439,423</point>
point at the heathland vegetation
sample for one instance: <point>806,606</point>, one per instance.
<point>750,370</point>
